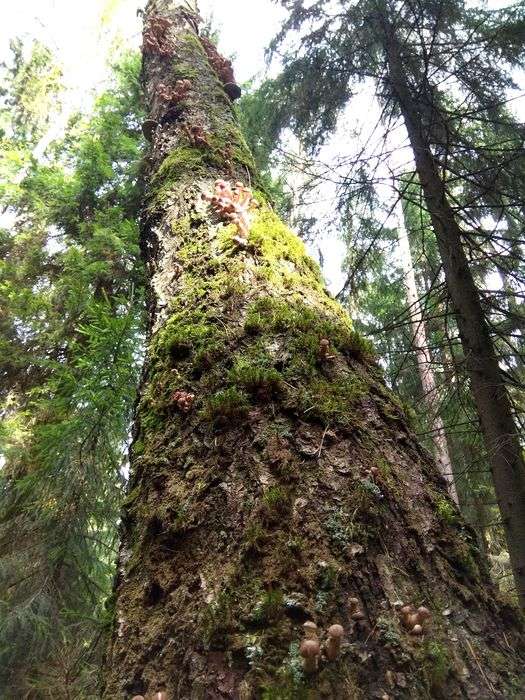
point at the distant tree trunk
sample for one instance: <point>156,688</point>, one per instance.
<point>493,405</point>
<point>273,477</point>
<point>424,359</point>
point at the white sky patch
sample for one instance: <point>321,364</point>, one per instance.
<point>81,34</point>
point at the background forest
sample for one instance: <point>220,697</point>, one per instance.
<point>328,139</point>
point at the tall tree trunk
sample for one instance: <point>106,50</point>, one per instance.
<point>490,395</point>
<point>273,479</point>
<point>424,358</point>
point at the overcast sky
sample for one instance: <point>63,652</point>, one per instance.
<point>81,31</point>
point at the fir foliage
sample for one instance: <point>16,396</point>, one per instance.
<point>71,328</point>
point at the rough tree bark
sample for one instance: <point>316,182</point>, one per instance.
<point>274,480</point>
<point>424,358</point>
<point>502,442</point>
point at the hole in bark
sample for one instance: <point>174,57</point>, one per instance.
<point>180,351</point>
<point>172,115</point>
<point>296,613</point>
<point>153,593</point>
<point>154,527</point>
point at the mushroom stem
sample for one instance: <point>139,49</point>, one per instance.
<point>333,644</point>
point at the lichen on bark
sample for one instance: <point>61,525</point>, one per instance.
<point>292,484</point>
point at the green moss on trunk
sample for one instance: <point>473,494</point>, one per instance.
<point>291,485</point>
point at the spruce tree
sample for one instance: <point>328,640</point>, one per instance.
<point>277,498</point>
<point>421,56</point>
<point>71,296</point>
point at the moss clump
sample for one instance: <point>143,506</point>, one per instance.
<point>326,585</point>
<point>290,681</point>
<point>182,162</point>
<point>384,467</point>
<point>255,536</point>
<point>446,511</point>
<point>437,666</point>
<point>254,378</point>
<point>269,608</point>
<point>389,631</point>
<point>343,528</point>
<point>217,619</point>
<point>308,325</point>
<point>276,500</point>
<point>358,346</point>
<point>184,71</point>
<point>186,333</point>
<point>228,141</point>
<point>275,242</point>
<point>331,402</point>
<point>138,447</point>
<point>227,404</point>
<point>461,558</point>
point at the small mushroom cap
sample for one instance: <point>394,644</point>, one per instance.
<point>424,613</point>
<point>138,697</point>
<point>406,610</point>
<point>310,626</point>
<point>353,602</point>
<point>416,629</point>
<point>335,631</point>
<point>358,615</point>
<point>309,648</point>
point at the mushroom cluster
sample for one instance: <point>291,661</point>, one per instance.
<point>196,134</point>
<point>222,67</point>
<point>233,204</point>
<point>414,620</point>
<point>156,39</point>
<point>310,648</point>
<point>175,93</point>
<point>183,400</point>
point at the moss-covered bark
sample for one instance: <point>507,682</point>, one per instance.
<point>291,483</point>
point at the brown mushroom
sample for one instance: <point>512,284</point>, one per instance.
<point>355,612</point>
<point>333,644</point>
<point>310,651</point>
<point>310,630</point>
<point>424,613</point>
<point>324,346</point>
<point>414,620</point>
